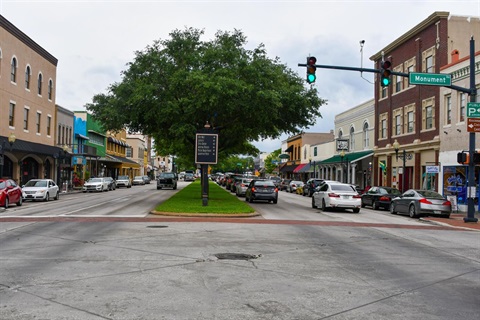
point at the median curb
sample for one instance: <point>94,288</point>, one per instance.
<point>205,215</point>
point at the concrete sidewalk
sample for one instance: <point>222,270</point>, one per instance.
<point>456,220</point>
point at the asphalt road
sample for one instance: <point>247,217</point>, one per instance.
<point>85,266</point>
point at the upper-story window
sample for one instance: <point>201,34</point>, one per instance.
<point>50,89</point>
<point>398,124</point>
<point>315,151</point>
<point>398,79</point>
<point>26,111</point>
<point>39,118</point>
<point>382,128</point>
<point>40,80</point>
<point>352,139</point>
<point>11,115</point>
<point>462,103</point>
<point>428,60</point>
<point>448,109</point>
<point>13,70</point>
<point>28,74</point>
<point>428,114</point>
<point>340,134</point>
<point>410,122</point>
<point>409,66</point>
<point>366,141</point>
<point>49,125</point>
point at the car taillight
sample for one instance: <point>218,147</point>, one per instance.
<point>425,201</point>
<point>243,185</point>
<point>447,203</point>
<point>276,189</point>
<point>333,195</point>
<point>384,198</point>
<point>357,196</point>
<point>253,189</point>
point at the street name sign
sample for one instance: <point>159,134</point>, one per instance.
<point>206,147</point>
<point>473,124</point>
<point>473,110</point>
<point>430,79</point>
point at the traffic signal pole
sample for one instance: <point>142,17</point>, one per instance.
<point>471,150</point>
<point>472,91</point>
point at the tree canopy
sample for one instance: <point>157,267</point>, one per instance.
<point>174,86</point>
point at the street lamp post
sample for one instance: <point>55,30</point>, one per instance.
<point>404,157</point>
<point>11,141</point>
<point>343,157</point>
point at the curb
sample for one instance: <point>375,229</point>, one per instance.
<point>445,224</point>
<point>205,215</point>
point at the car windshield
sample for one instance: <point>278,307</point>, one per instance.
<point>2,185</point>
<point>342,187</point>
<point>390,191</point>
<point>430,194</point>
<point>264,183</point>
<point>167,175</point>
<point>36,183</point>
<point>138,178</point>
<point>95,180</point>
<point>122,177</point>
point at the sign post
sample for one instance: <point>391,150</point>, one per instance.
<point>206,153</point>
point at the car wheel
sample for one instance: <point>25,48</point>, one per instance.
<point>411,211</point>
<point>324,207</point>
<point>274,201</point>
<point>6,203</point>
<point>20,202</point>
<point>446,216</point>
<point>356,210</point>
<point>313,203</point>
<point>47,197</point>
<point>375,205</point>
<point>57,196</point>
<point>175,187</point>
<point>363,204</point>
<point>392,208</point>
<point>159,188</point>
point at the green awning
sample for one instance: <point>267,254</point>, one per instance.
<point>350,157</point>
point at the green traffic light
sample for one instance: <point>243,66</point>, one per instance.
<point>311,78</point>
<point>385,81</point>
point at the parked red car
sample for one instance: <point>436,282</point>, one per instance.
<point>10,192</point>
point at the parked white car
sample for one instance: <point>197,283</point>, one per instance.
<point>95,184</point>
<point>124,181</point>
<point>293,185</point>
<point>40,189</point>
<point>337,195</point>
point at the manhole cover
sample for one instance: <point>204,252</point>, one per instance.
<point>157,226</point>
<point>237,256</point>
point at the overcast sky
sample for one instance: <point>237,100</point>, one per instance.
<point>94,40</point>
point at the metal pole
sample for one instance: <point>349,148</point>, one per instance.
<point>471,166</point>
<point>403,170</point>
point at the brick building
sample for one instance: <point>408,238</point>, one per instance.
<point>410,114</point>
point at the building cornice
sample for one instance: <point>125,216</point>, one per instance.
<point>431,20</point>
<point>10,28</point>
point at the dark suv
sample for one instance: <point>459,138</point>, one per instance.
<point>310,185</point>
<point>167,180</point>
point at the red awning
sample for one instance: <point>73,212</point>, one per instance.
<point>300,166</point>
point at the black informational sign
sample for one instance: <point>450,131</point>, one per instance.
<point>206,148</point>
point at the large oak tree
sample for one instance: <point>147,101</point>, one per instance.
<point>173,87</point>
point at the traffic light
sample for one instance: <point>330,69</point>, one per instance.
<point>463,157</point>
<point>311,77</point>
<point>385,73</point>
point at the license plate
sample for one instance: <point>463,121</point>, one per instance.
<point>345,197</point>
<point>437,212</point>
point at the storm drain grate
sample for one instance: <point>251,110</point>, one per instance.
<point>157,226</point>
<point>236,256</point>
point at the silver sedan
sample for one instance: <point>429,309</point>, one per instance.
<point>417,203</point>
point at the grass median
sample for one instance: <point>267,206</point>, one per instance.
<point>189,201</point>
